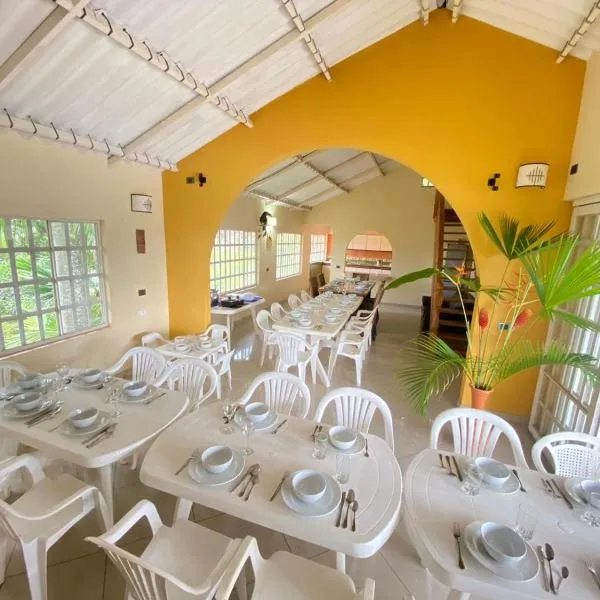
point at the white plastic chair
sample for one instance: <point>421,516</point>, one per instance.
<point>351,345</point>
<point>305,296</point>
<point>222,365</point>
<point>220,332</point>
<point>294,301</point>
<point>355,408</point>
<point>268,341</point>
<point>280,391</point>
<point>295,351</point>
<point>9,371</point>
<point>363,321</point>
<point>147,364</point>
<point>288,576</point>
<point>193,376</point>
<point>42,516</point>
<point>153,337</point>
<point>476,433</point>
<point>277,311</point>
<point>570,454</point>
<point>183,561</point>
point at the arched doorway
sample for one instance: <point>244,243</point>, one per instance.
<point>368,255</point>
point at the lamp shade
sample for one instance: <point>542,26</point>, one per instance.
<point>532,175</point>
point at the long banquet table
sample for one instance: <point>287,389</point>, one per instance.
<point>434,502</point>
<point>377,481</point>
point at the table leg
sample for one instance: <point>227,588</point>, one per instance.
<point>183,508</point>
<point>254,323</point>
<point>230,323</point>
<point>456,595</point>
<point>322,373</point>
<point>340,562</point>
<point>106,486</point>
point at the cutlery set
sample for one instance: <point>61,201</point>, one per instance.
<point>351,503</point>
<point>318,428</point>
<point>457,537</point>
<point>106,432</point>
<point>546,555</point>
<point>243,488</point>
<point>556,490</point>
<point>592,569</point>
<point>228,415</point>
<point>452,466</point>
<point>194,456</point>
<point>274,432</point>
<point>46,414</point>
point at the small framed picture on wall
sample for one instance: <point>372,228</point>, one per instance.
<point>141,203</point>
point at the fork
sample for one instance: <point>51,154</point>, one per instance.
<point>592,569</point>
<point>456,534</point>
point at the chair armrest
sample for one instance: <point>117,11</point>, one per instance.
<point>28,462</point>
<point>247,549</point>
<point>143,509</point>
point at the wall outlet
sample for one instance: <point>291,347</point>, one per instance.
<point>503,326</point>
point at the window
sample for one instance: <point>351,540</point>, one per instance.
<point>318,247</point>
<point>288,255</point>
<point>426,183</point>
<point>51,280</point>
<point>233,261</point>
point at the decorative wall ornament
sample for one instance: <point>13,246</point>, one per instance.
<point>532,175</point>
<point>492,182</point>
<point>141,203</point>
<point>267,224</point>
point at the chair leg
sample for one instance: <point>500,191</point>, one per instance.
<point>34,555</point>
<point>302,371</point>
<point>332,361</point>
<point>6,548</point>
<point>229,379</point>
<point>263,352</point>
<point>358,364</point>
<point>218,387</point>
<point>241,586</point>
<point>183,508</point>
<point>313,368</point>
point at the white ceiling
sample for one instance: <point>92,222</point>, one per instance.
<point>238,54</point>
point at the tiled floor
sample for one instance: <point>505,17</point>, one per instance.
<point>78,571</point>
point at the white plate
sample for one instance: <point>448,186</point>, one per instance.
<point>15,388</point>
<point>508,487</point>
<point>150,391</point>
<point>266,424</point>
<point>356,448</point>
<point>10,411</point>
<point>72,431</point>
<point>325,506</point>
<point>78,382</point>
<point>572,486</point>
<point>200,475</point>
<point>525,570</point>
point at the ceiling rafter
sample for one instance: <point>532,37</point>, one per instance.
<point>308,39</point>
<point>273,198</point>
<point>43,34</point>
<point>583,28</point>
<point>321,174</point>
<point>59,135</point>
<point>456,9</point>
<point>293,36</point>
<point>424,10</point>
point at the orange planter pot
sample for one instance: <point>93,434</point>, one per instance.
<point>479,397</point>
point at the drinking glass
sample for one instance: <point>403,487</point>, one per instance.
<point>247,430</point>
<point>591,515</point>
<point>527,518</point>
<point>471,481</point>
<point>114,395</point>
<point>63,370</point>
<point>320,447</point>
<point>342,468</point>
<point>228,412</point>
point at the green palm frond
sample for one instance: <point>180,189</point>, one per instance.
<point>513,240</point>
<point>412,277</point>
<point>431,367</point>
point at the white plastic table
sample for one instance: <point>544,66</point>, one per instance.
<point>434,502</point>
<point>137,425</point>
<point>231,313</point>
<point>377,481</point>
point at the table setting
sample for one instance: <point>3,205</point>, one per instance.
<point>483,527</point>
<point>193,346</point>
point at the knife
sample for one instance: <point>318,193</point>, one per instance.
<point>95,435</point>
<point>458,471</point>
<point>108,433</point>
<point>560,491</point>
<point>39,416</point>
<point>542,560</point>
<point>278,488</point>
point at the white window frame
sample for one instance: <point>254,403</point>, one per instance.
<point>318,247</point>
<point>224,270</point>
<point>288,255</point>
<point>60,309</point>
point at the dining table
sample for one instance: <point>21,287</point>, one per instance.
<point>137,424</point>
<point>376,480</point>
<point>434,502</point>
<point>194,349</point>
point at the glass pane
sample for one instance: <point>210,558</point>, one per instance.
<point>68,321</point>
<point>92,261</point>
<point>8,303</point>
<point>89,233</point>
<point>50,323</point>
<point>11,335</point>
<point>97,315</point>
<point>5,269</point>
<point>75,238</point>
<point>27,294</point>
<point>57,230</point>
<point>79,291</point>
<point>24,267</point>
<point>61,263</point>
<point>77,267</point>
<point>82,317</point>
<point>40,233</point>
<point>3,235</point>
<point>65,294</point>
<point>43,265</point>
<point>46,294</point>
<point>94,288</point>
<point>32,330</point>
<point>20,235</point>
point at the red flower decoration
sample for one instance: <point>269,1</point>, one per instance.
<point>523,317</point>
<point>484,318</point>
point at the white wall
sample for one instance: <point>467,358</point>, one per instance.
<point>396,206</point>
<point>244,215</point>
<point>44,180</point>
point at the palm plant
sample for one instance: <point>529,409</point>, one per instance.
<point>544,278</point>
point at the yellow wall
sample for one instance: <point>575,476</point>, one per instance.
<point>455,103</point>
<point>44,180</point>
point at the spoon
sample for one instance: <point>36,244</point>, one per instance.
<point>549,554</point>
<point>253,471</point>
<point>354,509</point>
<point>564,573</point>
<point>196,454</point>
<point>349,501</point>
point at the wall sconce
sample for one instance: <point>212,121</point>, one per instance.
<point>267,223</point>
<point>532,175</point>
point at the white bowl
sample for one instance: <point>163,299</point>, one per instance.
<point>216,458</point>
<point>305,322</point>
<point>91,375</point>
<point>502,543</point>
<point>27,401</point>
<point>343,438</point>
<point>181,347</point>
<point>492,471</point>
<point>135,388</point>
<point>331,318</point>
<point>588,487</point>
<point>308,486</point>
<point>30,381</point>
<point>296,313</point>
<point>257,411</point>
<point>83,417</point>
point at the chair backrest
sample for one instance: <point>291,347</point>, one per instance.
<point>476,433</point>
<point>305,296</point>
<point>221,362</point>
<point>152,338</point>
<point>294,301</point>
<point>355,408</point>
<point>570,454</point>
<point>277,311</point>
<point>8,370</point>
<point>220,332</point>
<point>146,364</point>
<point>290,346</point>
<point>193,376</point>
<point>262,320</point>
<point>281,391</point>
